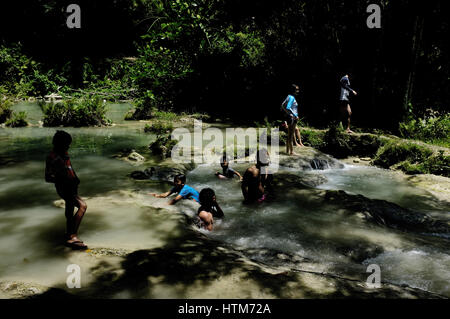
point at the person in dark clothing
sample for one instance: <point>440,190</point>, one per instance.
<point>209,208</point>
<point>59,170</point>
<point>345,110</point>
<point>257,181</point>
<point>227,171</point>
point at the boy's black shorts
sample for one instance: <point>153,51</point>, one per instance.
<point>69,194</point>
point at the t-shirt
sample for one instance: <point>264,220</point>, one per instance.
<point>291,105</point>
<point>187,192</point>
<point>345,89</point>
<point>228,172</point>
<point>59,170</point>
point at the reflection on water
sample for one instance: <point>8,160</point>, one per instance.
<point>31,227</point>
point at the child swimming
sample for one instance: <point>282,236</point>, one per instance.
<point>209,209</point>
<point>227,171</point>
<point>184,191</point>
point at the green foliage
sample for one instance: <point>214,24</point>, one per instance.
<point>312,138</point>
<point>23,76</point>
<point>432,128</point>
<point>340,144</point>
<point>438,165</point>
<point>337,142</point>
<point>5,109</point>
<point>159,128</point>
<point>395,152</point>
<point>82,112</point>
<point>166,116</point>
<point>17,120</point>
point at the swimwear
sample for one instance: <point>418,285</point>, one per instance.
<point>186,192</point>
<point>212,210</point>
<point>59,170</point>
<point>228,172</point>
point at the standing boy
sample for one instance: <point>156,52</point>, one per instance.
<point>59,170</point>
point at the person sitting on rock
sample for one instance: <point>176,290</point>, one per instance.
<point>209,209</point>
<point>184,191</point>
<point>257,181</point>
<point>59,170</point>
<point>227,171</point>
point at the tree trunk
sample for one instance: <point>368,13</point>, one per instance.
<point>416,42</point>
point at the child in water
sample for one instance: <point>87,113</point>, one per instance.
<point>184,191</point>
<point>59,170</point>
<point>209,209</point>
<point>227,171</point>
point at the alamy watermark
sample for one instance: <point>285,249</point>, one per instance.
<point>74,19</point>
<point>374,280</point>
<point>207,146</point>
<point>374,19</point>
<point>74,279</point>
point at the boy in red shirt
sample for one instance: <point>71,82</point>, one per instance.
<point>58,170</point>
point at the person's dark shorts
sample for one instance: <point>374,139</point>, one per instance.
<point>290,120</point>
<point>69,194</point>
<point>343,103</point>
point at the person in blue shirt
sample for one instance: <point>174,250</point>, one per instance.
<point>184,191</point>
<point>346,111</point>
<point>290,107</point>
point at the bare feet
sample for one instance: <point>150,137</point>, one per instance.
<point>349,131</point>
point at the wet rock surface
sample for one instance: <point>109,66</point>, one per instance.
<point>388,214</point>
<point>130,156</point>
<point>308,158</point>
<point>164,172</point>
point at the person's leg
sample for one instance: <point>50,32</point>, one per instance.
<point>343,115</point>
<point>81,204</point>
<point>290,140</point>
<point>349,114</point>
<point>298,136</point>
<point>69,217</point>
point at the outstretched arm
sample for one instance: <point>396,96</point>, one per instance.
<point>163,195</point>
<point>175,200</point>
<point>219,210</point>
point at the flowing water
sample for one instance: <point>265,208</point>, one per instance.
<point>318,232</point>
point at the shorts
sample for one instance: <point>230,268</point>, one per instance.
<point>343,103</point>
<point>69,194</point>
<point>291,120</point>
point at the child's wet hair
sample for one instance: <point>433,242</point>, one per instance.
<point>61,139</point>
<point>206,196</point>
<point>180,177</point>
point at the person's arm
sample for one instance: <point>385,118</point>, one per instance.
<point>244,185</point>
<point>289,107</point>
<point>219,210</point>
<point>346,85</point>
<point>238,175</point>
<point>207,220</point>
<point>175,200</point>
<point>163,195</point>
